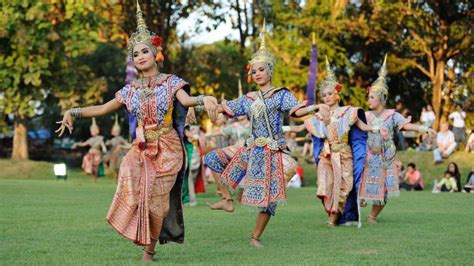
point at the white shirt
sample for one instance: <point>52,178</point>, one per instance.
<point>427,117</point>
<point>445,138</point>
<point>458,118</point>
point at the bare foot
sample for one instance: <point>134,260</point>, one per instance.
<point>372,219</point>
<point>224,204</point>
<point>148,255</point>
<point>254,242</point>
<point>331,224</point>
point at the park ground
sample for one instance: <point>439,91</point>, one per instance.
<point>53,222</point>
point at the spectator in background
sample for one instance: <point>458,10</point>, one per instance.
<point>427,116</point>
<point>447,184</point>
<point>469,187</point>
<point>470,143</point>
<point>445,144</point>
<point>428,142</point>
<point>453,170</point>
<point>400,139</point>
<point>459,125</point>
<point>412,179</point>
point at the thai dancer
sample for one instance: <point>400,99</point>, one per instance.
<point>339,149</point>
<point>380,177</point>
<point>259,166</point>
<point>118,148</point>
<point>147,204</point>
<point>92,162</point>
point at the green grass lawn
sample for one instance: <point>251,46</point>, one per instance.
<point>44,221</point>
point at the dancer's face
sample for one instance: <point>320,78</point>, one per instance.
<point>94,132</point>
<point>373,100</point>
<point>115,132</point>
<point>329,96</point>
<point>260,74</point>
<point>143,57</point>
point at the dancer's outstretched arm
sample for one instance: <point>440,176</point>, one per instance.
<point>90,111</point>
<point>419,128</point>
<point>209,102</point>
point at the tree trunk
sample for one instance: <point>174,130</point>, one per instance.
<point>20,141</point>
<point>438,82</point>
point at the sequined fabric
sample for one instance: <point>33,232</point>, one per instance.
<point>259,169</point>
<point>380,178</point>
<point>143,208</point>
<point>335,166</point>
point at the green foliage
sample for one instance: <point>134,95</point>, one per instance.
<point>213,69</point>
<point>41,43</point>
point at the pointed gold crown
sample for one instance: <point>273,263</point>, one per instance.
<point>263,55</point>
<point>116,124</point>
<point>142,35</point>
<point>94,125</point>
<point>330,80</point>
<point>380,85</point>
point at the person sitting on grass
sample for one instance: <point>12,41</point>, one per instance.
<point>469,187</point>
<point>448,183</point>
<point>470,143</point>
<point>453,169</point>
<point>445,142</point>
<point>412,179</point>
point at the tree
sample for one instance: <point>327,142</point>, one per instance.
<point>426,35</point>
<point>41,43</point>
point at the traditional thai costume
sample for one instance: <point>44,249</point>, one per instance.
<point>147,203</point>
<point>259,166</point>
<point>92,161</point>
<point>339,152</point>
<point>117,148</point>
<point>380,178</point>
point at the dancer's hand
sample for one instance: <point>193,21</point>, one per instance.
<point>210,104</point>
<point>384,133</point>
<point>324,113</point>
<point>191,116</point>
<point>65,123</point>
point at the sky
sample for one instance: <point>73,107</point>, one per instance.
<point>220,33</point>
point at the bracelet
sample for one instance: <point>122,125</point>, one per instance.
<point>200,100</point>
<point>76,112</point>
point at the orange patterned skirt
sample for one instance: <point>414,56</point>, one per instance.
<point>146,177</point>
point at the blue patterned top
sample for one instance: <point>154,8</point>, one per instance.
<point>281,101</point>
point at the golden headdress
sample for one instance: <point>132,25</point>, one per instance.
<point>143,35</point>
<point>380,85</point>
<point>263,55</point>
<point>116,124</point>
<point>330,80</point>
<point>94,125</point>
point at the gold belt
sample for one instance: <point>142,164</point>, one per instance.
<point>262,142</point>
<point>338,146</point>
<point>154,134</point>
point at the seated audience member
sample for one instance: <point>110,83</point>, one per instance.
<point>412,180</point>
<point>445,144</point>
<point>448,183</point>
<point>428,142</point>
<point>470,143</point>
<point>469,187</point>
<point>453,169</point>
<point>427,116</point>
